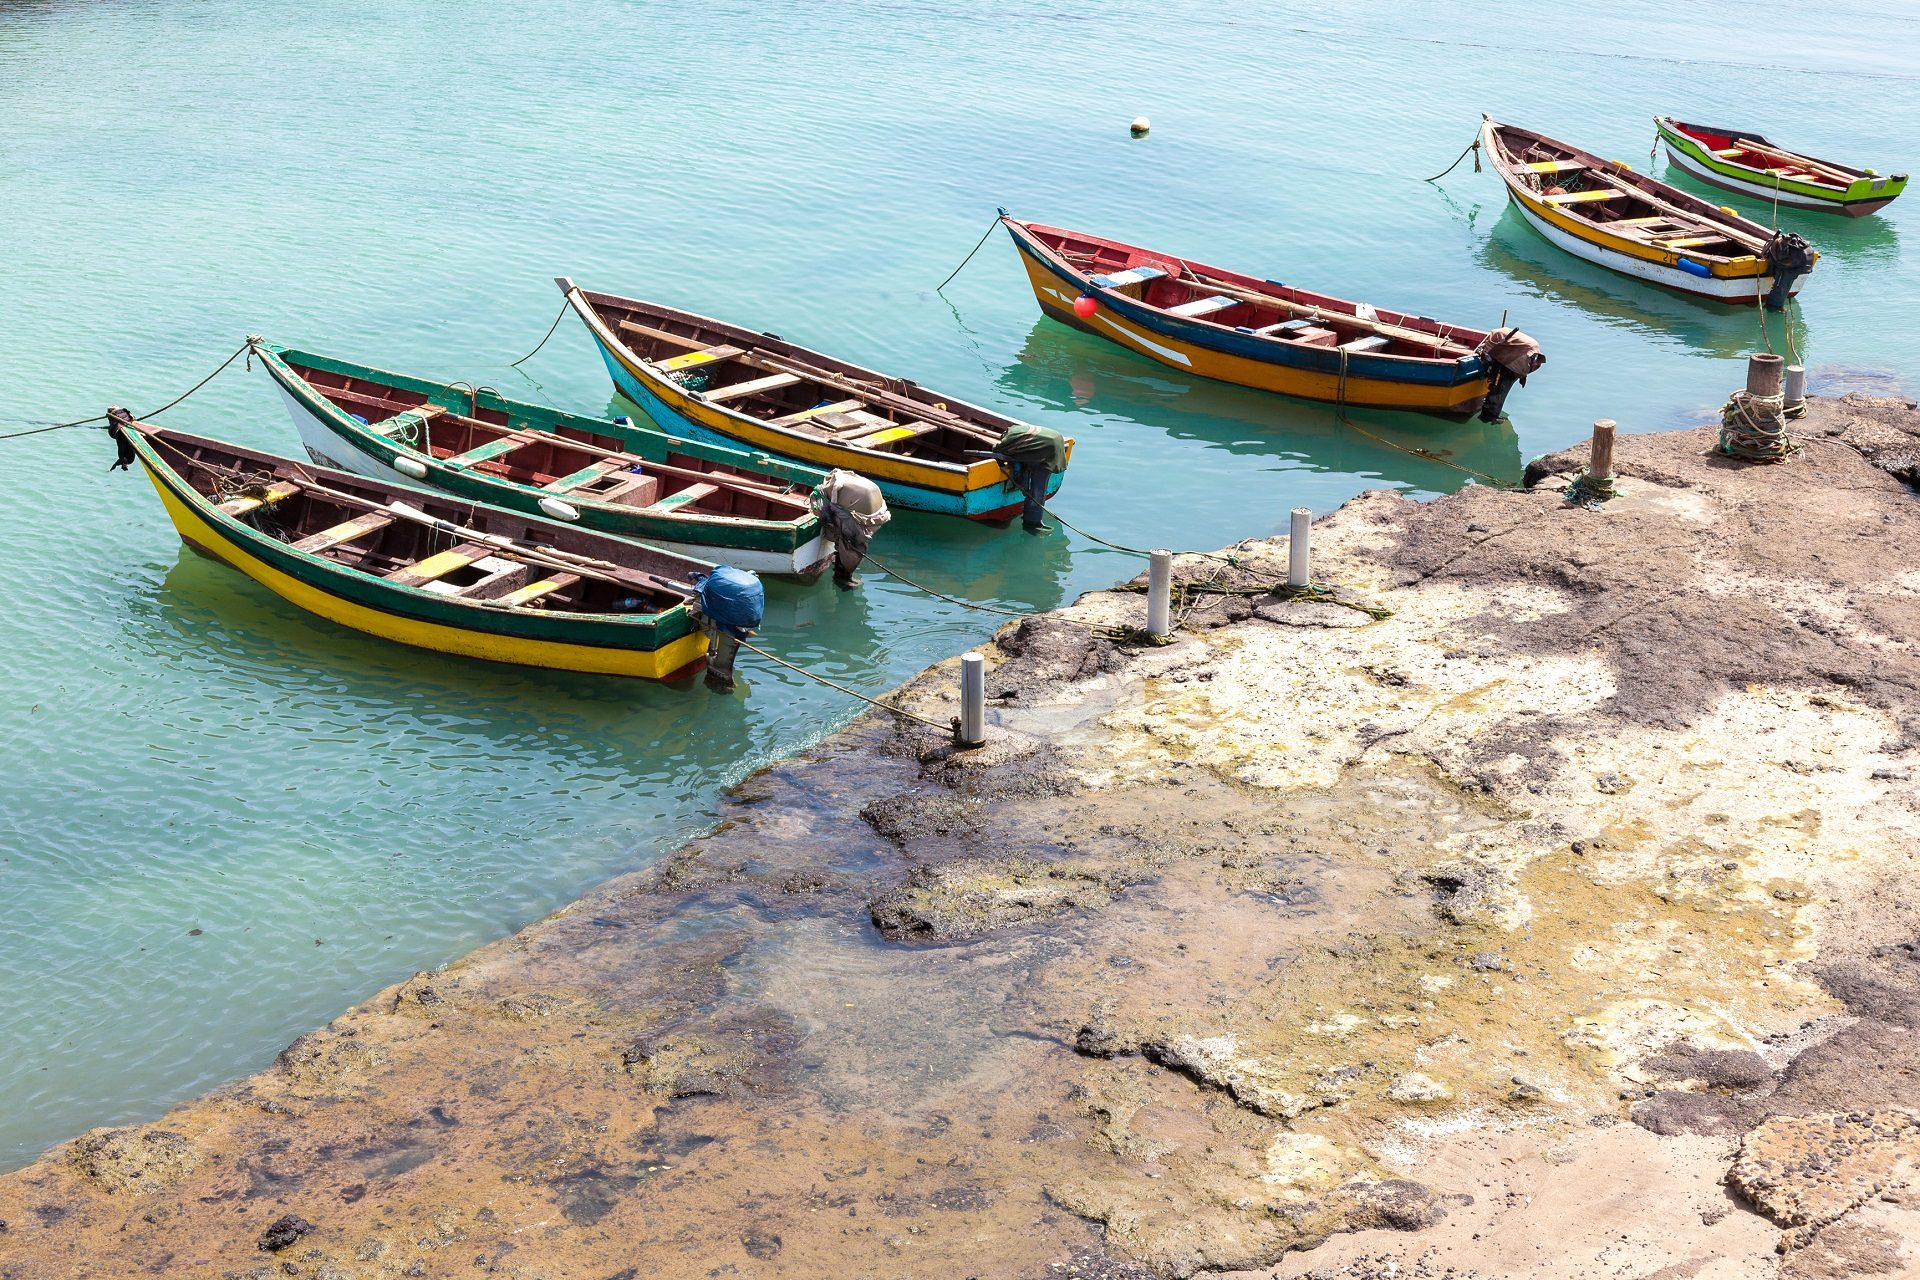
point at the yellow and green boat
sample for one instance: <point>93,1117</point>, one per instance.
<point>421,569</point>
<point>1749,164</point>
<point>750,511</point>
<point>731,385</point>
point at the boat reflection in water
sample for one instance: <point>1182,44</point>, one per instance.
<point>1707,328</point>
<point>1065,370</point>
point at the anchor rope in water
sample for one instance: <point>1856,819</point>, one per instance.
<point>82,422</point>
<point>564,304</point>
<point>1473,147</point>
<point>969,258</point>
<point>855,693</point>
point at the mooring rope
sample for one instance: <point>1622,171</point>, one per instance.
<point>1754,428</point>
<point>853,693</point>
<point>1473,147</point>
<point>892,572</point>
<point>564,304</point>
<point>82,422</point>
<point>969,258</point>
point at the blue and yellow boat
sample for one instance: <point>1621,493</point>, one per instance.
<point>423,569</point>
<point>1270,336</point>
<point>719,382</point>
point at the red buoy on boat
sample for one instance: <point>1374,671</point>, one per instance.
<point>1084,307</point>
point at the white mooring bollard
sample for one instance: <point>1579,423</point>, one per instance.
<point>1298,569</point>
<point>1160,593</point>
<point>972,730</point>
<point>1796,392</point>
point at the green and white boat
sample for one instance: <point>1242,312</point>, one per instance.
<point>744,509</point>
<point>1750,165</point>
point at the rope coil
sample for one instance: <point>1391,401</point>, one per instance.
<point>1754,428</point>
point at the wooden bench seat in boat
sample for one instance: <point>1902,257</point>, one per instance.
<point>1314,336</point>
<point>491,449</point>
<point>1687,242</point>
<point>1554,166</point>
<point>772,382</point>
<point>534,590</point>
<point>1132,275</point>
<point>661,335</point>
<point>278,491</point>
<point>838,406</point>
<point>893,433</point>
<point>358,527</point>
<point>498,576</point>
<point>1585,197</point>
<point>693,359</point>
<point>1372,342</point>
<point>686,497</point>
<point>1201,307</point>
<point>1285,329</point>
<point>439,564</point>
<point>419,417</point>
<point>592,471</point>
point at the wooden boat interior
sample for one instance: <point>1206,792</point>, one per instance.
<point>1262,308</point>
<point>564,460</point>
<point>776,384</point>
<point>1756,152</point>
<point>347,520</point>
<point>1585,188</point>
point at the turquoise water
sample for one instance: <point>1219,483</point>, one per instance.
<point>397,183</point>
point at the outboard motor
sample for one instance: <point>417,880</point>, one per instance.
<point>729,604</point>
<point>1510,355</point>
<point>852,509</point>
<point>1033,454</point>
<point>1790,257</point>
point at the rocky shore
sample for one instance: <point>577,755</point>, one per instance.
<point>1539,901</point>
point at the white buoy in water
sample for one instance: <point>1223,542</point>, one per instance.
<point>559,510</point>
<point>411,467</point>
<point>1140,126</point>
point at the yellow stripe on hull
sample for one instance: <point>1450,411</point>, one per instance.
<point>658,664</point>
<point>749,431</point>
<point>1262,375</point>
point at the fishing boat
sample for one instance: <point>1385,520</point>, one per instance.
<point>1749,164</point>
<point>1261,333</point>
<point>752,512</point>
<point>1604,212</point>
<point>422,569</point>
<point>720,382</point>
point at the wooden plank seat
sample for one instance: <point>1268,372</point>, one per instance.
<point>534,590</point>
<point>740,390</point>
<point>416,417</point>
<point>358,527</point>
<point>648,331</point>
<point>439,564</point>
<point>838,406</point>
<point>1285,329</point>
<point>491,449</point>
<point>499,575</point>
<point>1132,275</point>
<point>686,497</point>
<point>1372,342</point>
<point>1315,336</point>
<point>1585,197</point>
<point>1687,242</point>
<point>1200,307</point>
<point>584,475</point>
<point>1554,166</point>
<point>693,359</point>
<point>892,433</point>
<point>278,491</point>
